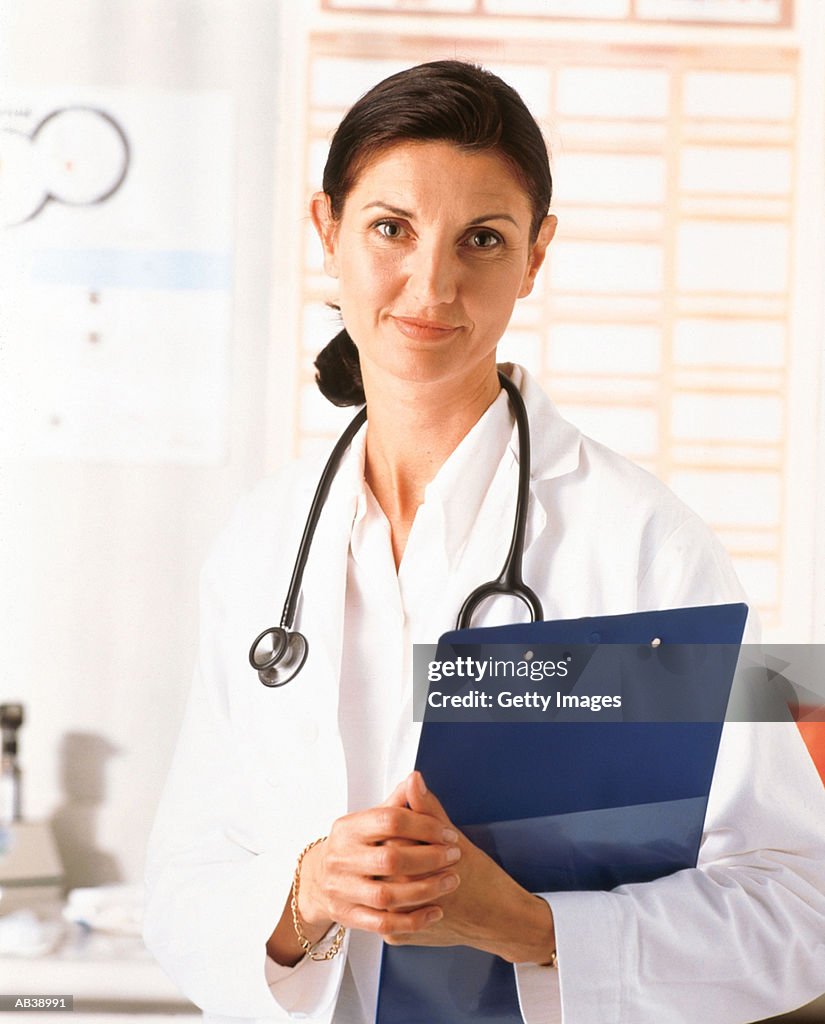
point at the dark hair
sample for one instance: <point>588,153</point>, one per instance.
<point>445,100</point>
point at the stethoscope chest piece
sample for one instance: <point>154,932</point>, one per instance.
<point>278,655</point>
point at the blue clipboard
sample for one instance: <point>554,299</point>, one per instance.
<point>623,801</point>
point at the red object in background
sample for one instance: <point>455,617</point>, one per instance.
<point>811,725</point>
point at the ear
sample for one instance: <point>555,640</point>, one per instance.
<point>537,253</point>
<point>320,209</point>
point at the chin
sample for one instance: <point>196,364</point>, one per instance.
<point>432,372</point>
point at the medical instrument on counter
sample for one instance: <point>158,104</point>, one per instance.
<point>11,718</point>
<point>278,653</point>
<point>31,873</point>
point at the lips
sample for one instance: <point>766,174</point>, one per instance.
<point>422,329</point>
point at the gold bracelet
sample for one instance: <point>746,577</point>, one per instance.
<point>311,948</point>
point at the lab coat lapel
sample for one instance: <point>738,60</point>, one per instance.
<point>555,452</point>
<point>288,727</point>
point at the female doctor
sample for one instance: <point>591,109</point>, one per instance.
<point>279,864</point>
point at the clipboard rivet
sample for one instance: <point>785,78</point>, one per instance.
<point>528,655</point>
<point>656,642</point>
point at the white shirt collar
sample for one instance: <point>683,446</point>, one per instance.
<point>453,498</point>
<point>483,446</point>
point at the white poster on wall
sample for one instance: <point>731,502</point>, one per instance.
<point>115,275</point>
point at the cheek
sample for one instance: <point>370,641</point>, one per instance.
<point>494,296</point>
<point>368,279</point>
<point>383,271</point>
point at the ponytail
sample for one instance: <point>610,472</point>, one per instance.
<point>339,371</point>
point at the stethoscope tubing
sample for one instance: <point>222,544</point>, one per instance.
<point>320,497</point>
<point>278,642</point>
<point>510,582</point>
<point>281,644</point>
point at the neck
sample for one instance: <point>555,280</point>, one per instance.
<point>412,430</point>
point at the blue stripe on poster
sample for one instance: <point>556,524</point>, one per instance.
<point>126,268</point>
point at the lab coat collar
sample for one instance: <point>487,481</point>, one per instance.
<point>555,450</point>
<point>556,444</point>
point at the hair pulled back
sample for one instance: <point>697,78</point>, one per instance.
<point>445,101</point>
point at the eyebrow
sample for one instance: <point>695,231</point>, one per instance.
<point>378,204</point>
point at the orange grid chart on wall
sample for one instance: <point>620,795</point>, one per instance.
<point>770,13</point>
<point>660,324</point>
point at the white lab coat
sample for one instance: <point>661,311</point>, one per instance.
<point>259,773</point>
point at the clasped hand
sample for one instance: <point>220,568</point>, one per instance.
<point>404,871</point>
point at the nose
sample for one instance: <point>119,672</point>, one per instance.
<point>433,273</point>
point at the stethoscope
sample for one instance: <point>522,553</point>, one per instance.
<point>278,654</point>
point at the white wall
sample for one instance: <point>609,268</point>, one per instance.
<point>99,560</point>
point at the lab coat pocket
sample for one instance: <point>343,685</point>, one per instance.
<point>289,740</point>
<point>276,732</point>
<point>297,797</point>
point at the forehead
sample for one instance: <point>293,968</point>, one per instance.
<point>432,173</point>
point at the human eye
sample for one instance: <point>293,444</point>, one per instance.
<point>483,238</point>
<point>388,228</point>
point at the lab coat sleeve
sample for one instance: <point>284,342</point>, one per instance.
<point>742,936</point>
<point>217,881</point>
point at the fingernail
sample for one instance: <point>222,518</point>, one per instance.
<point>449,835</point>
<point>453,854</point>
<point>434,915</point>
<point>449,882</point>
<point>422,786</point>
